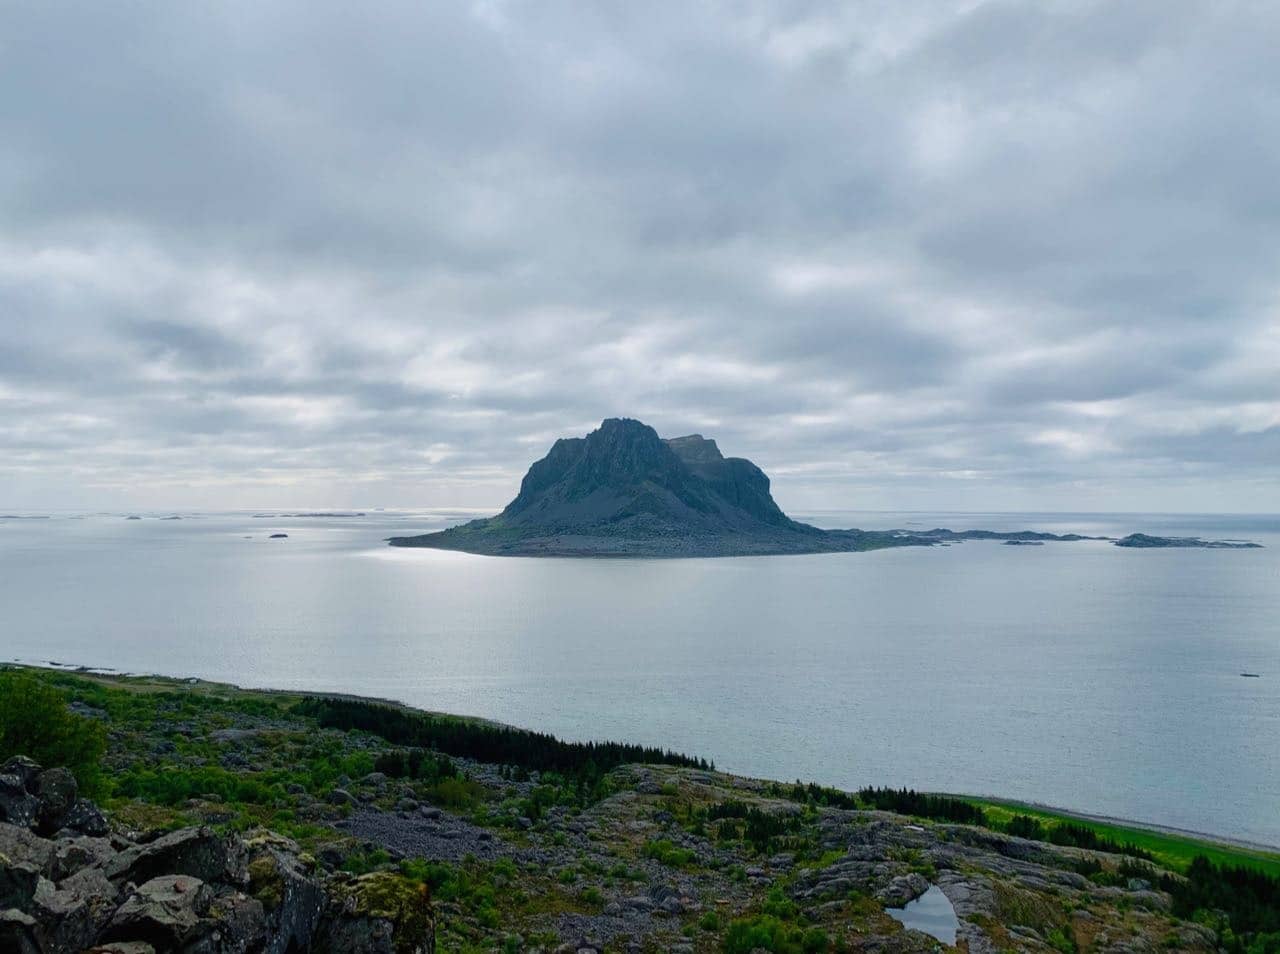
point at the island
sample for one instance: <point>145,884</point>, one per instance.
<point>624,491</point>
<point>1143,541</point>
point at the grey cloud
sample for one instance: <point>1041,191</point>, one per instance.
<point>325,254</point>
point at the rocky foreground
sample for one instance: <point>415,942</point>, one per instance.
<point>238,822</point>
<point>73,882</point>
<point>69,881</point>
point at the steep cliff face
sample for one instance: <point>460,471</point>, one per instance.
<point>735,480</point>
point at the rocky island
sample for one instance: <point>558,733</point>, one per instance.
<point>624,491</point>
<point>1146,541</point>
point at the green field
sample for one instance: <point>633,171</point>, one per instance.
<point>1173,851</point>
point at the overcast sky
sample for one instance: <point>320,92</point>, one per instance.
<point>902,255</point>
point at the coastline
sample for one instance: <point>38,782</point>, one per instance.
<point>1266,853</point>
<point>481,834</point>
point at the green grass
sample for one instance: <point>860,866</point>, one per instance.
<point>1172,851</point>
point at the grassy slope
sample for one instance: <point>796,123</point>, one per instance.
<point>1171,850</point>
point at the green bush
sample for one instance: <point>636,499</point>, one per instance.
<point>769,933</point>
<point>172,785</point>
<point>664,852</point>
<point>35,722</point>
<point>1024,826</point>
<point>458,793</point>
<point>905,801</point>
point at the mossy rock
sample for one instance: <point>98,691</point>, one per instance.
<point>265,881</point>
<point>386,896</point>
<point>1037,911</point>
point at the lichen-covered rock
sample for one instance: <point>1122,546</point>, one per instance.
<point>72,913</point>
<point>379,913</point>
<point>197,852</point>
<point>240,923</point>
<point>55,789</point>
<point>45,800</point>
<point>85,818</point>
<point>292,900</point>
<point>903,889</point>
<point>17,805</point>
<point>24,768</point>
<point>21,844</point>
<point>72,854</point>
<point>167,912</point>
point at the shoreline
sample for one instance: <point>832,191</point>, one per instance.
<point>1189,834</point>
<point>1266,852</point>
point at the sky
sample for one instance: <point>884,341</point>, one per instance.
<point>932,255</point>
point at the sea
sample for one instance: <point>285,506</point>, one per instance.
<point>1081,675</point>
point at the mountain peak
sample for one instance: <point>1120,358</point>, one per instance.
<point>622,482</point>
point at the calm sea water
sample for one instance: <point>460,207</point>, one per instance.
<point>1075,674</point>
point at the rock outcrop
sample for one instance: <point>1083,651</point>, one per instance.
<point>64,886</point>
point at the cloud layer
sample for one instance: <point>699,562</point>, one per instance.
<point>943,255</point>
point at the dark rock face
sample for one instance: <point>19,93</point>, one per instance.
<point>191,891</point>
<point>196,852</point>
<point>623,489</point>
<point>56,791</point>
<point>292,900</point>
<point>625,470</point>
<point>165,912</point>
<point>17,805</point>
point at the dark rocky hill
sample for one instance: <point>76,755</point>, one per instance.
<point>623,490</point>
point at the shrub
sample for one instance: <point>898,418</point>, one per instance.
<point>35,722</point>
<point>1024,826</point>
<point>907,802</point>
<point>664,852</point>
<point>1249,898</point>
<point>1078,836</point>
<point>414,764</point>
<point>769,933</point>
<point>483,741</point>
<point>458,793</point>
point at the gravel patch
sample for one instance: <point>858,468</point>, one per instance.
<point>412,835</point>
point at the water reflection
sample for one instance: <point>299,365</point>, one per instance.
<point>931,913</point>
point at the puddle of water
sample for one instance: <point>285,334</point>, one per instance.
<point>931,913</point>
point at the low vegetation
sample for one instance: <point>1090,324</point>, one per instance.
<point>584,763</point>
<point>35,722</point>
<point>182,754</point>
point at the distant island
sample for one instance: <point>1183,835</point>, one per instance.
<point>1146,541</point>
<point>624,491</point>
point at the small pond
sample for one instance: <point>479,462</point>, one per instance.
<point>931,913</point>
